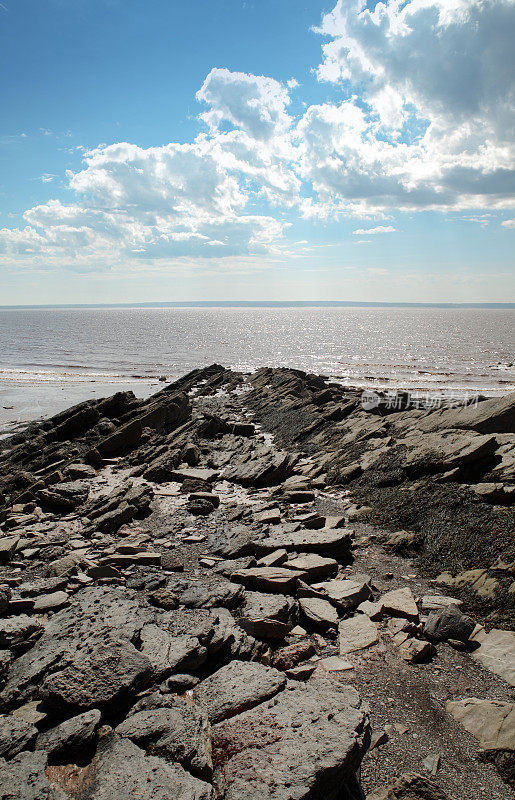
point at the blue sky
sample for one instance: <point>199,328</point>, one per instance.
<point>256,150</point>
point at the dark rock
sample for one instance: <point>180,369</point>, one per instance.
<point>200,507</point>
<point>288,657</point>
<point>71,736</point>
<point>237,687</point>
<point>448,623</point>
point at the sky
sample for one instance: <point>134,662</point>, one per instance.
<point>156,150</point>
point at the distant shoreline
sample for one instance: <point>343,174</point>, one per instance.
<point>262,304</point>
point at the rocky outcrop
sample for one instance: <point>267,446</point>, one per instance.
<point>182,600</point>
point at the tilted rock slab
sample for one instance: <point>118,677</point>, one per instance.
<point>492,722</point>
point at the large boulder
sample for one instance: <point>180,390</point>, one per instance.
<point>306,742</point>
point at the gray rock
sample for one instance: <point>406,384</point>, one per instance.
<point>24,778</point>
<point>400,603</point>
<point>333,543</point>
<point>122,770</point>
<point>7,548</point>
<point>178,733</point>
<point>344,594</point>
<point>319,612</point>
<point>70,736</point>
<point>357,633</point>
<point>449,623</point>
<point>269,579</point>
<point>167,653</point>
<point>317,567</point>
<point>497,652</point>
<point>446,449</point>
<point>237,687</point>
<point>410,787</point>
<point>265,615</point>
<point>307,742</point>
<point>263,469</point>
<point>97,628</point>
<point>51,602</point>
<point>19,632</point>
<point>209,591</point>
<point>99,674</point>
<point>15,736</point>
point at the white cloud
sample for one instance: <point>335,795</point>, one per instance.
<point>438,122</point>
<point>378,229</point>
<point>252,103</point>
<point>508,223</point>
<point>425,121</point>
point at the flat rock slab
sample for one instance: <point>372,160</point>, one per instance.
<point>319,612</point>
<point>317,567</point>
<point>400,603</point>
<point>410,787</point>
<point>195,474</point>
<point>307,742</point>
<point>497,653</point>
<point>269,579</point>
<point>492,722</point>
<point>210,591</point>
<point>357,633</point>
<point>344,594</point>
<point>447,449</point>
<point>237,687</point>
<point>332,543</point>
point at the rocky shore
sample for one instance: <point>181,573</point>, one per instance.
<point>251,586</point>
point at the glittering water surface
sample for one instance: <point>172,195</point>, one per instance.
<point>471,349</point>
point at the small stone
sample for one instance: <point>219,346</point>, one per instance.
<point>51,602</point>
<point>335,664</point>
<point>400,603</point>
<point>432,763</point>
<point>413,650</point>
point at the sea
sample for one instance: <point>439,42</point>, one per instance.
<point>52,357</point>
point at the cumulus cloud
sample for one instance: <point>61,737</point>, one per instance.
<point>252,103</point>
<point>508,223</point>
<point>373,231</point>
<point>424,121</point>
<point>435,85</point>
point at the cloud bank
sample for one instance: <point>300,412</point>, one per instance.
<point>424,120</point>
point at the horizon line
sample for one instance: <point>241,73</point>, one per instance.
<point>262,304</point>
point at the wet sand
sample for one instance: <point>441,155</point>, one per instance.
<point>25,401</point>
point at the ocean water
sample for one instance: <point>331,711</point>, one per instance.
<point>79,352</point>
